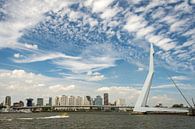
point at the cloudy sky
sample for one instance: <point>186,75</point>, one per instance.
<point>88,47</point>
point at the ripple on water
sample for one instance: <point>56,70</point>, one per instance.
<point>95,120</point>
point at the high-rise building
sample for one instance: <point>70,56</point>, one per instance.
<point>92,101</point>
<point>39,101</point>
<point>1,104</point>
<point>64,100</point>
<point>50,101</point>
<point>18,104</point>
<point>89,99</point>
<point>8,101</point>
<point>21,103</point>
<point>98,100</point>
<point>120,102</point>
<point>57,101</point>
<point>72,101</point>
<point>106,101</point>
<point>79,101</point>
<point>86,101</point>
<point>29,102</point>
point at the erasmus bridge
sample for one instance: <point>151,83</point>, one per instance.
<point>141,104</point>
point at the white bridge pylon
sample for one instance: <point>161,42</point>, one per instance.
<point>142,100</point>
<point>140,105</point>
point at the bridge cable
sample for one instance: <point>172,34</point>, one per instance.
<point>180,91</point>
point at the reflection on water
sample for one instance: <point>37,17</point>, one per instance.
<point>94,120</point>
<point>48,117</point>
<point>32,118</point>
<point>25,118</point>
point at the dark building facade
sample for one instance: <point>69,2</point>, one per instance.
<point>29,102</point>
<point>106,100</point>
<point>39,101</point>
<point>8,101</point>
<point>50,101</point>
<point>98,100</point>
<point>89,99</point>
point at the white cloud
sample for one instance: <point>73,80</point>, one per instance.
<point>163,86</point>
<point>190,32</point>
<point>21,84</point>
<point>180,85</point>
<point>17,74</point>
<point>188,43</point>
<point>183,56</point>
<point>155,39</point>
<point>134,1</point>
<point>159,13</point>
<point>162,42</point>
<point>192,1</point>
<point>138,25</point>
<point>169,19</point>
<point>87,77</point>
<point>144,31</point>
<point>129,93</point>
<point>134,23</point>
<point>23,15</point>
<point>100,5</point>
<point>162,39</point>
<point>17,55</point>
<point>57,88</point>
<point>117,89</point>
<point>109,13</point>
<point>178,25</point>
<point>184,6</point>
<point>140,69</point>
<point>180,78</point>
<point>165,100</point>
<point>93,58</point>
<point>73,15</point>
<point>43,57</point>
<point>88,2</point>
<point>95,76</point>
<point>80,66</point>
<point>91,21</point>
<point>31,46</point>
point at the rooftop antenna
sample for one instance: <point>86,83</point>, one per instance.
<point>180,91</point>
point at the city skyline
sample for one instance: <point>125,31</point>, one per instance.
<point>64,100</point>
<point>90,47</point>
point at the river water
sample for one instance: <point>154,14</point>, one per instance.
<point>94,120</point>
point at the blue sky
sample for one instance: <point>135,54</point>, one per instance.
<point>88,47</point>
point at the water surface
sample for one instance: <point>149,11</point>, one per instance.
<point>94,120</point>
